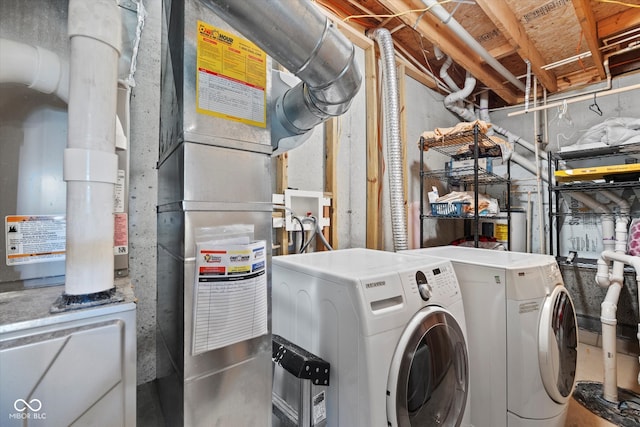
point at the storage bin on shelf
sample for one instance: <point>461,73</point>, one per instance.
<point>448,208</point>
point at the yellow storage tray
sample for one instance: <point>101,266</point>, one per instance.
<point>595,172</point>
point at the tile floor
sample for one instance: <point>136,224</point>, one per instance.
<point>589,368</point>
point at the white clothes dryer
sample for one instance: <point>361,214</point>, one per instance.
<point>522,335</point>
<point>392,327</point>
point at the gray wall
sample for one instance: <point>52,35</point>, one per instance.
<point>145,130</point>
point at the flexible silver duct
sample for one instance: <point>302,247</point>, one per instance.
<point>394,146</point>
<point>297,35</point>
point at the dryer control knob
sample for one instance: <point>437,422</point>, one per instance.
<point>425,291</point>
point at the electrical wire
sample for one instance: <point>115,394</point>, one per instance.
<point>619,2</point>
<point>396,15</point>
<point>316,231</point>
<point>313,220</point>
<point>301,232</point>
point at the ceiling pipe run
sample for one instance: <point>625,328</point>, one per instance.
<point>441,13</point>
<point>297,35</point>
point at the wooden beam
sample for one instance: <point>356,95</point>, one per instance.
<point>416,74</point>
<point>584,13</point>
<point>331,144</point>
<point>373,163</point>
<point>412,70</point>
<point>350,30</point>
<point>501,51</point>
<point>438,34</point>
<point>282,182</point>
<point>503,17</point>
<point>618,23</point>
<point>578,79</point>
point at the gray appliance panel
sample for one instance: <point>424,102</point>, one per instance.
<point>92,352</point>
<point>198,172</point>
<point>178,116</point>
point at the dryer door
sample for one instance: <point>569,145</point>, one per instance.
<point>428,377</point>
<point>557,346</point>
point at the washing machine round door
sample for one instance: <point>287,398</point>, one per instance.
<point>428,376</point>
<point>557,346</point>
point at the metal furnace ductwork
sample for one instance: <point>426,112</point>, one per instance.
<point>297,35</point>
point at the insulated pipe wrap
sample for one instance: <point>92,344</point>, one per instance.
<point>394,145</point>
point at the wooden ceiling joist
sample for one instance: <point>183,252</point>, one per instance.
<point>584,13</point>
<point>501,51</point>
<point>469,60</point>
<point>618,23</point>
<point>504,19</point>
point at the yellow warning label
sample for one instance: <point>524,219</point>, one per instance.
<point>231,77</point>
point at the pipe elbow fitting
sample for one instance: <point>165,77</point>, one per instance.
<point>602,274</point>
<point>608,312</point>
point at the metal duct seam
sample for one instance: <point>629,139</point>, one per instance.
<point>394,145</point>
<point>297,35</point>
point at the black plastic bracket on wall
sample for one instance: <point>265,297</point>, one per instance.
<point>299,362</point>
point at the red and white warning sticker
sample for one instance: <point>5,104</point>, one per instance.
<point>33,239</point>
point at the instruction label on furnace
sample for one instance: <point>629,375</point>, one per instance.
<point>230,295</point>
<point>231,77</point>
<point>34,239</point>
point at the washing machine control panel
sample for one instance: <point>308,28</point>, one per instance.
<point>438,280</point>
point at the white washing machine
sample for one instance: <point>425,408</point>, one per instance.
<point>522,335</point>
<point>392,327</point>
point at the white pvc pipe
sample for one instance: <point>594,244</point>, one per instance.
<point>36,67</point>
<point>441,13</point>
<point>538,157</point>
<point>90,166</point>
<point>610,363</point>
<point>608,313</point>
<point>451,100</point>
<point>529,221</point>
<point>444,75</point>
<point>518,140</point>
<point>484,107</point>
<point>625,208</point>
